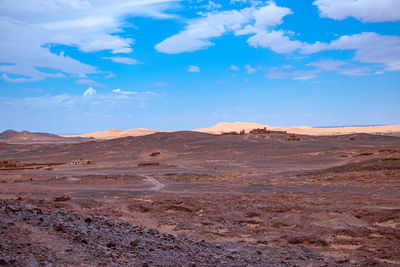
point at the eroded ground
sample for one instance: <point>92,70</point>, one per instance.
<point>213,200</point>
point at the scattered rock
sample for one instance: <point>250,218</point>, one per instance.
<point>62,197</point>
<point>4,262</point>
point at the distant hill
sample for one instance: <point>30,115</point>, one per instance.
<point>25,136</point>
<point>238,126</point>
<point>115,133</point>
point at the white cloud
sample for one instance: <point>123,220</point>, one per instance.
<point>256,20</point>
<point>369,48</point>
<point>364,10</point>
<point>327,65</point>
<point>211,5</point>
<point>193,68</point>
<point>110,75</point>
<point>123,60</point>
<point>197,33</point>
<point>357,71</point>
<point>250,69</point>
<point>89,82</point>
<point>302,75</point>
<point>119,91</point>
<point>27,30</point>
<point>77,110</point>
<point>11,69</point>
<point>232,2</point>
<point>233,67</point>
<point>277,41</point>
<point>89,92</point>
<point>269,15</point>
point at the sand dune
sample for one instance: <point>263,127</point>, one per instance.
<point>115,133</point>
<point>238,126</point>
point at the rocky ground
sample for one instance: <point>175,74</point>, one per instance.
<point>37,233</point>
<point>212,201</point>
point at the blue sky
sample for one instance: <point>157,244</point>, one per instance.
<point>82,66</point>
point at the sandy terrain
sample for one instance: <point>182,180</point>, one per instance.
<point>246,200</point>
<point>238,126</point>
<point>115,133</point>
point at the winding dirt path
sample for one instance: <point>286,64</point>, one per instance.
<point>246,137</point>
<point>157,184</point>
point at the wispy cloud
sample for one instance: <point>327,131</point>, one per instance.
<point>27,32</point>
<point>161,84</point>
<point>233,67</point>
<point>194,68</point>
<point>302,75</point>
<point>250,69</point>
<point>123,60</point>
<point>122,92</point>
<point>89,82</point>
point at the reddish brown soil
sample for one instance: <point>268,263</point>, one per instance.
<point>223,200</point>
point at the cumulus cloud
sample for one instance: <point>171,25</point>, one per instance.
<point>197,33</point>
<point>256,21</point>
<point>269,15</point>
<point>364,10</point>
<point>27,31</point>
<point>369,48</point>
<point>277,41</point>
<point>89,92</point>
<point>123,60</point>
<point>193,68</point>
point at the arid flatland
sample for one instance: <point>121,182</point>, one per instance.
<point>187,198</point>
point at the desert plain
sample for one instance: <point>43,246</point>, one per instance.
<point>202,199</point>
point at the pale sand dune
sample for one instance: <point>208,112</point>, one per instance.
<point>238,126</point>
<point>115,133</point>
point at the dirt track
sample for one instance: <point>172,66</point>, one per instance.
<point>323,200</point>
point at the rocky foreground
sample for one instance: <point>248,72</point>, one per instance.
<point>37,233</point>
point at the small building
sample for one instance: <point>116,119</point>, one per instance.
<point>265,131</point>
<point>11,164</point>
<point>82,162</point>
<point>242,132</point>
<point>259,131</point>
